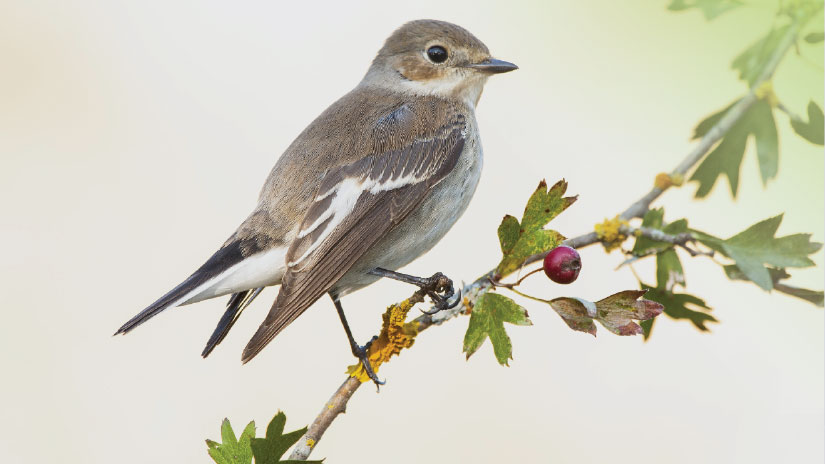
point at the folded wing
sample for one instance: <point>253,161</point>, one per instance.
<point>356,205</point>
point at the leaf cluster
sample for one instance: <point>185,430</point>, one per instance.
<point>242,450</point>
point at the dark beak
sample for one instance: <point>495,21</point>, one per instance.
<point>493,66</point>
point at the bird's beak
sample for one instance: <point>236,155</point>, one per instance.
<point>493,66</point>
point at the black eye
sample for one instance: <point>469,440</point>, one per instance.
<point>437,54</point>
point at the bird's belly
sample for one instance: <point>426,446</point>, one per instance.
<point>424,227</point>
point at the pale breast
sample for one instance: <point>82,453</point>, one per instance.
<point>428,224</point>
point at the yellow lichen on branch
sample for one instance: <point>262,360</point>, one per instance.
<point>610,232</point>
<point>396,334</point>
<point>664,180</point>
<point>765,92</point>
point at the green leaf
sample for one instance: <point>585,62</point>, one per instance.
<point>711,8</point>
<point>752,61</point>
<point>653,219</point>
<point>232,450</point>
<point>669,270</point>
<point>706,124</point>
<point>615,313</point>
<point>681,306</point>
<point>777,275</point>
<point>727,157</point>
<point>647,328</point>
<point>813,130</point>
<point>508,233</point>
<point>522,240</point>
<point>269,450</point>
<point>756,247</point>
<point>763,128</point>
<point>816,297</point>
<point>815,37</point>
<point>487,319</point>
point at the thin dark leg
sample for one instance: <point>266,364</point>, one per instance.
<point>358,351</point>
<point>432,286</point>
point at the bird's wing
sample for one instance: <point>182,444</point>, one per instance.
<point>356,205</point>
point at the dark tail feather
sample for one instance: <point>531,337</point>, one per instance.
<point>222,260</point>
<point>234,307</point>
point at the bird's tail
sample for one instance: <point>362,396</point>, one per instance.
<point>234,307</point>
<point>221,261</point>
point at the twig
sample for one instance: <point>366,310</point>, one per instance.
<point>337,403</point>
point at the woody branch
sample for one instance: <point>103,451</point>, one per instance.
<point>338,402</point>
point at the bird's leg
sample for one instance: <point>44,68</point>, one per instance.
<point>433,286</point>
<point>358,351</point>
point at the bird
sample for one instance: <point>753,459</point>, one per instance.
<point>370,185</point>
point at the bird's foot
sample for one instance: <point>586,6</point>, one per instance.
<point>360,352</point>
<point>440,290</point>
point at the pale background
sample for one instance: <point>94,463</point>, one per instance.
<point>134,137</point>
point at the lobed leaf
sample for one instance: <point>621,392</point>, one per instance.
<point>727,157</point>
<point>751,62</point>
<point>520,240</point>
<point>232,450</point>
<point>777,275</point>
<point>487,320</point>
<point>813,130</point>
<point>681,306</point>
<point>269,450</point>
<point>757,246</point>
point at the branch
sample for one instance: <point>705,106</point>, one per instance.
<point>338,402</point>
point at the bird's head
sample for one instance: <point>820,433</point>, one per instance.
<point>428,57</point>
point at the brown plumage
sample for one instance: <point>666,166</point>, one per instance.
<point>375,181</point>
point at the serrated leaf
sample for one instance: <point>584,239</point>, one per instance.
<point>615,313</point>
<point>727,157</point>
<point>487,320</point>
<point>813,130</point>
<point>681,306</point>
<point>232,450</point>
<point>815,37</point>
<point>269,450</point>
<point>710,8</point>
<point>751,62</point>
<point>756,247</point>
<point>777,275</point>
<point>520,240</point>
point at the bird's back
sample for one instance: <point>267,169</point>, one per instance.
<point>366,121</point>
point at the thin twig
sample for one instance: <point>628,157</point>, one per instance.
<point>337,403</point>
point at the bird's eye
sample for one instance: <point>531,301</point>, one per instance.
<point>437,54</point>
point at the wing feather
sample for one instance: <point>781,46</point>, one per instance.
<point>362,202</point>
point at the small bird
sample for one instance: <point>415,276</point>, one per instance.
<point>370,185</point>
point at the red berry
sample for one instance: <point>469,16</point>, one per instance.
<point>562,264</point>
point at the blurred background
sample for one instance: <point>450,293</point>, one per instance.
<point>134,137</point>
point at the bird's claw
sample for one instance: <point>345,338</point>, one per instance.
<point>361,354</point>
<point>439,283</point>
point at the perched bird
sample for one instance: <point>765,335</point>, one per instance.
<point>370,185</point>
